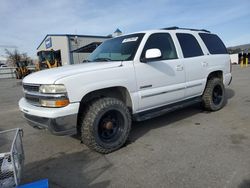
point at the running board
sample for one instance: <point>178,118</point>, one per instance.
<point>165,109</point>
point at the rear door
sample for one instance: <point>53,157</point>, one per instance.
<point>218,58</point>
<point>160,81</point>
<point>194,63</point>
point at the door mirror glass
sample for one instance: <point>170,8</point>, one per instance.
<point>153,53</point>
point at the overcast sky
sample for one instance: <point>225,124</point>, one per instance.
<point>25,23</point>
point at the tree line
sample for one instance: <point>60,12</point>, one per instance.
<point>13,57</point>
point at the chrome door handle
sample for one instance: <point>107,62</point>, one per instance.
<point>179,67</point>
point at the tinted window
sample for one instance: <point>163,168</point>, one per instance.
<point>163,42</point>
<point>189,45</point>
<point>213,43</point>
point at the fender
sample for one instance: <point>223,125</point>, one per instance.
<point>80,85</point>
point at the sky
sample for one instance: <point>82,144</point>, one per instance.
<point>25,23</point>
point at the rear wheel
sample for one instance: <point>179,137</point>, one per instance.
<point>106,125</point>
<point>214,95</point>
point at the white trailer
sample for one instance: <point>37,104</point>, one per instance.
<point>234,58</point>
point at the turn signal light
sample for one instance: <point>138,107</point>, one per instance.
<point>54,103</point>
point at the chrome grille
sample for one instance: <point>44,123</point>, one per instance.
<point>31,88</point>
<point>28,90</point>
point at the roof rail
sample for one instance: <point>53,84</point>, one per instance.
<point>175,28</point>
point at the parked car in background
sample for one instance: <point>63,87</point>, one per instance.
<point>3,65</point>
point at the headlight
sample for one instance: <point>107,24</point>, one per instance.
<point>53,96</point>
<point>52,89</point>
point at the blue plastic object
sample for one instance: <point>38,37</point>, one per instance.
<point>38,184</point>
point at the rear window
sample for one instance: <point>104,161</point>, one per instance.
<point>189,45</point>
<point>213,43</point>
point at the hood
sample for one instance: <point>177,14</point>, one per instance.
<point>50,76</point>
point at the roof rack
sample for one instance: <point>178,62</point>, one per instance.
<point>175,28</point>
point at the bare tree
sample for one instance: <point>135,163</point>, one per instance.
<point>15,56</point>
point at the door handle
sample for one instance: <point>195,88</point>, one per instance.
<point>179,67</point>
<point>204,64</point>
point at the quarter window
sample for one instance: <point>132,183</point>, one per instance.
<point>213,43</point>
<point>189,45</point>
<point>164,43</point>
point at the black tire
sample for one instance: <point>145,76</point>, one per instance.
<point>106,125</point>
<point>43,66</point>
<point>214,95</point>
<point>18,76</point>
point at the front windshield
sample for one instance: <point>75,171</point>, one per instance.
<point>117,49</point>
<point>45,56</point>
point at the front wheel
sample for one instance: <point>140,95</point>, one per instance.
<point>17,74</point>
<point>106,125</point>
<point>214,95</point>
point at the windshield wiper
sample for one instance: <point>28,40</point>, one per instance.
<point>102,59</point>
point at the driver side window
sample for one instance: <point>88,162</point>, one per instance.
<point>164,43</point>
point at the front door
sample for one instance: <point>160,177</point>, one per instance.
<point>160,81</point>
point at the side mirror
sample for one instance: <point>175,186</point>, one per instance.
<point>152,53</point>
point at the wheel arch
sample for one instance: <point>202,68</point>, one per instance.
<point>213,74</point>
<point>118,92</point>
<point>217,74</point>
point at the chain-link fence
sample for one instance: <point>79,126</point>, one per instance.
<point>11,157</point>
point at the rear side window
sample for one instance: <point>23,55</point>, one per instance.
<point>189,45</point>
<point>164,43</point>
<point>213,43</point>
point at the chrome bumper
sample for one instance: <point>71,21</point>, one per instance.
<point>65,125</point>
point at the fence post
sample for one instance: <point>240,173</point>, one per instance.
<point>247,57</point>
<point>241,60</point>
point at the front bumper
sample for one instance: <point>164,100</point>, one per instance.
<point>59,121</point>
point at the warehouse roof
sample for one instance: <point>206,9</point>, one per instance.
<point>88,48</point>
<point>118,31</point>
<point>71,35</point>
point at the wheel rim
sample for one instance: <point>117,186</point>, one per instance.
<point>217,94</point>
<point>110,126</point>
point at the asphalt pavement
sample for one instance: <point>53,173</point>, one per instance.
<point>186,148</point>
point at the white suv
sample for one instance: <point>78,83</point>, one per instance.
<point>136,76</point>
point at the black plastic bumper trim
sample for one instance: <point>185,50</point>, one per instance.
<point>65,125</point>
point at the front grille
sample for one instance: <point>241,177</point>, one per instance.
<point>31,88</point>
<point>33,99</point>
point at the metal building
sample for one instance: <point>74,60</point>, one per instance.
<point>73,48</point>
